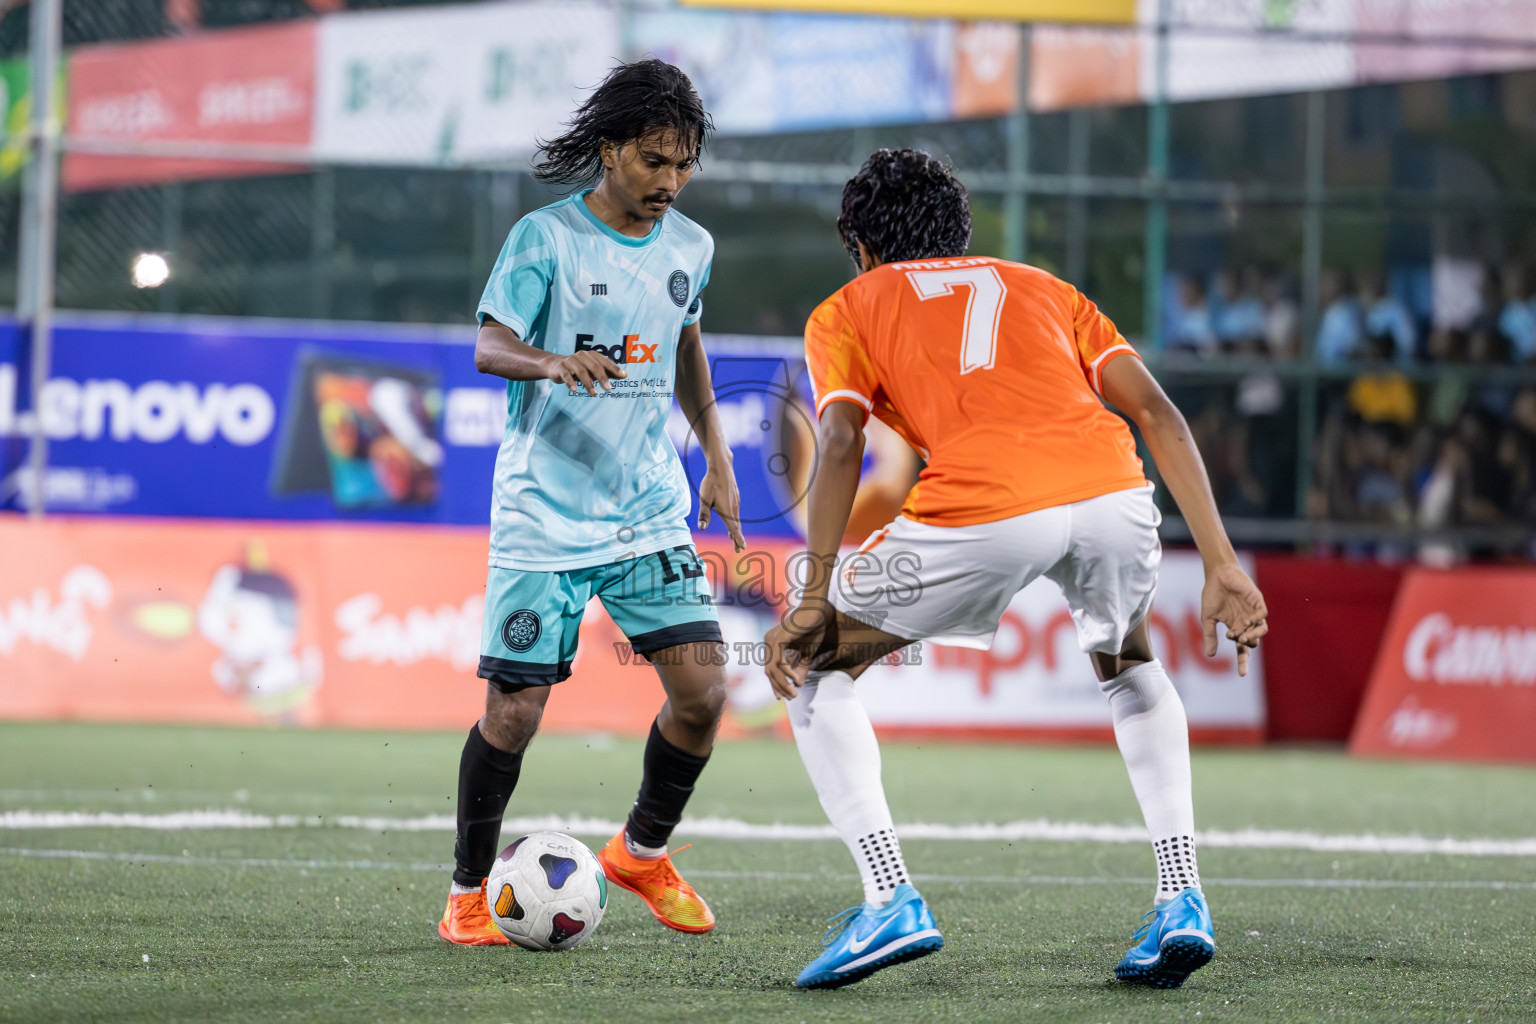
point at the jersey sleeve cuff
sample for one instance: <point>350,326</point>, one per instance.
<point>504,317</point>
<point>844,395</point>
<point>1109,355</point>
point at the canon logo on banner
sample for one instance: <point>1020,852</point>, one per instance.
<point>1440,651</point>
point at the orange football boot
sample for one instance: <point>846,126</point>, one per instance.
<point>670,899</point>
<point>467,921</point>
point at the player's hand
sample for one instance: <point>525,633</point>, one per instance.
<point>717,492</point>
<point>791,644</point>
<point>1231,598</point>
<point>586,369</point>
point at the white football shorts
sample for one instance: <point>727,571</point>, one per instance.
<point>951,584</point>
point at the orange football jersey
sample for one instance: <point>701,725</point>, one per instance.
<point>991,370</point>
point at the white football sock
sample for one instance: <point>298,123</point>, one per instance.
<point>455,889</point>
<point>1153,736</point>
<point>842,757</point>
<point>643,852</point>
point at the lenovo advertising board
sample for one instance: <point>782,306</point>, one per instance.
<point>300,420</point>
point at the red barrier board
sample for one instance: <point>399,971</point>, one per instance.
<point>1326,620</point>
<point>1456,675</point>
<point>252,86</point>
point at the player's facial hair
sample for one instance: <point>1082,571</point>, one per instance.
<point>631,182</point>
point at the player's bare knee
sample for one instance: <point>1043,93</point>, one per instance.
<point>1135,649</point>
<point>699,710</point>
<point>511,719</point>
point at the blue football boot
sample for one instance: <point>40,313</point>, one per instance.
<point>864,939</point>
<point>1175,940</point>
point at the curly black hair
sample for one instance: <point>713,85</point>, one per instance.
<point>905,205</point>
<point>633,101</point>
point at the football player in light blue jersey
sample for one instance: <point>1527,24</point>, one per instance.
<point>592,316</point>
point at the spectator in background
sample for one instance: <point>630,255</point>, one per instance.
<point>1238,321</point>
<point>1517,455</point>
<point>1333,491</point>
<point>1192,331</point>
<point>1282,320</point>
<point>1438,496</point>
<point>1387,317</point>
<point>1487,347</point>
<point>1385,396</point>
<point>1487,488</point>
<point>1223,440</point>
<point>1381,472</point>
<point>1342,330</point>
<point>1517,319</point>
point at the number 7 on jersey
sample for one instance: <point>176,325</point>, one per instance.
<point>983,309</point>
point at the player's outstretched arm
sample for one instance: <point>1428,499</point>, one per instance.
<point>1230,597</point>
<point>501,353</point>
<point>696,397</point>
<point>839,454</point>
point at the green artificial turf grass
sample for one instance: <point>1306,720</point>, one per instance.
<point>338,924</point>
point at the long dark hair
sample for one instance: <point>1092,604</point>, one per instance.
<point>634,100</point>
<point>905,205</point>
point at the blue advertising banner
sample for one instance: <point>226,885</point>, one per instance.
<point>312,421</point>
<point>801,72</point>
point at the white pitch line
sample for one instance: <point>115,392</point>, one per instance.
<point>732,828</point>
<point>774,876</point>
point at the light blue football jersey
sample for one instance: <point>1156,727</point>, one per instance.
<point>583,481</point>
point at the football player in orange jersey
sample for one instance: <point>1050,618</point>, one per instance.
<point>998,374</point>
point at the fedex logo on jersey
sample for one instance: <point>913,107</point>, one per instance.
<point>630,350</point>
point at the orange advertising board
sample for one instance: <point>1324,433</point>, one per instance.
<point>1455,678</point>
<point>1078,67</point>
<point>986,69</point>
<point>356,625</point>
<point>251,622</point>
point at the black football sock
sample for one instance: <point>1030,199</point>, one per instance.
<point>670,773</point>
<point>487,777</point>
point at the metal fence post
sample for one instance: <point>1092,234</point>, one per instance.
<point>1155,257</point>
<point>39,230</point>
<point>1016,199</point>
<point>1311,270</point>
<point>322,240</point>
<point>1079,138</point>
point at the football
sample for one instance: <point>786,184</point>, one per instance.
<point>547,892</point>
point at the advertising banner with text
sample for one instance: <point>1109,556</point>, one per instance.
<point>1251,47</point>
<point>241,418</point>
<point>794,72</point>
<point>1111,12</point>
<point>253,86</point>
<point>450,85</point>
<point>1455,678</point>
<point>1444,30</point>
<point>443,85</point>
<point>246,419</point>
<point>378,626</point>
